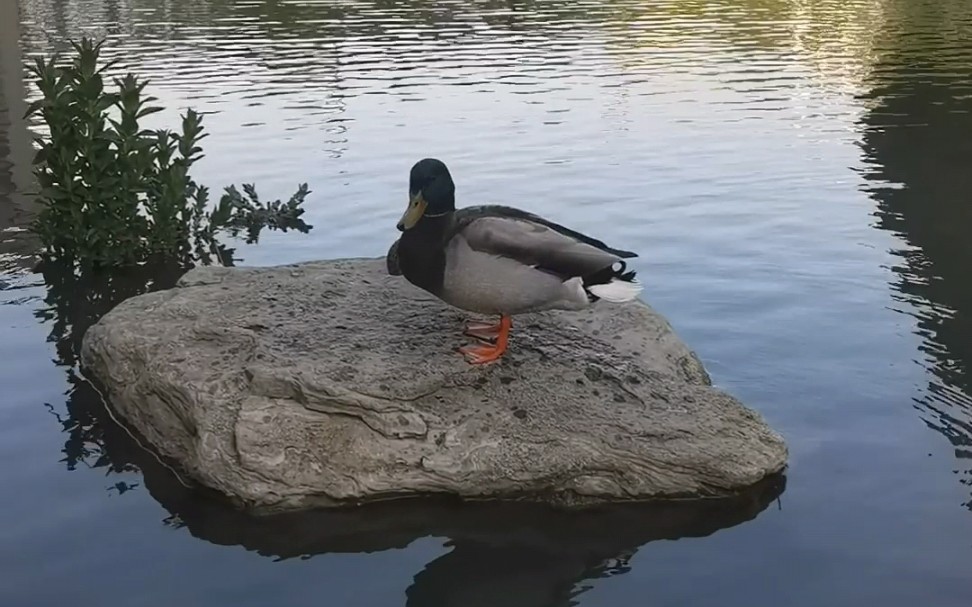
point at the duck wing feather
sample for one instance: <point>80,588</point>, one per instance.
<point>534,241</point>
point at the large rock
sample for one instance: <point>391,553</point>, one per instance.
<point>327,383</point>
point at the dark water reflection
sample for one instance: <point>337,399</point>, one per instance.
<point>796,174</point>
<point>917,140</point>
<point>71,304</point>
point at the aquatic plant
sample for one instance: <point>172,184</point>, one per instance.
<point>115,194</point>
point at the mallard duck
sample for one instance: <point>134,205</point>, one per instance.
<point>500,260</point>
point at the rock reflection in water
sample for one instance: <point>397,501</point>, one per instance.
<point>501,553</point>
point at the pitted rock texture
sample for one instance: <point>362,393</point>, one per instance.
<point>329,383</point>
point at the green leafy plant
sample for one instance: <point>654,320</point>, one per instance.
<point>115,194</point>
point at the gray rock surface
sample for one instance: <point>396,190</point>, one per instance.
<point>328,383</point>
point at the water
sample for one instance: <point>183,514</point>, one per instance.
<point>794,175</point>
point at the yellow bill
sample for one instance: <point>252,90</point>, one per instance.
<point>414,212</point>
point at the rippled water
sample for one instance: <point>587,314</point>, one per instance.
<point>794,175</point>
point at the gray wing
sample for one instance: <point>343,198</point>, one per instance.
<point>536,242</point>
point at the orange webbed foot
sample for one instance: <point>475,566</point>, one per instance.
<point>483,331</point>
<point>480,354</point>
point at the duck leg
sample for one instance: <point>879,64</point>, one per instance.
<point>483,331</point>
<point>479,354</point>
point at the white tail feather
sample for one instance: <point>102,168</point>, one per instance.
<point>617,291</point>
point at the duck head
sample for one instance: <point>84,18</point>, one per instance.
<point>431,192</point>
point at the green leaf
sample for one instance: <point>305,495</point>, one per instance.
<point>33,107</point>
<point>148,110</point>
<point>113,193</point>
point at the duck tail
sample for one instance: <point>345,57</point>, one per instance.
<point>617,290</point>
<point>619,286</point>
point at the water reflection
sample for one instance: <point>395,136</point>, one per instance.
<point>917,144</point>
<point>16,246</point>
<point>73,303</point>
<point>315,57</point>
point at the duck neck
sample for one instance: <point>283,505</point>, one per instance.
<point>431,226</point>
<point>421,254</point>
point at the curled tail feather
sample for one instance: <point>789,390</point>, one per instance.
<point>618,290</point>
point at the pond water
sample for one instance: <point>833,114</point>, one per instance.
<point>794,174</point>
